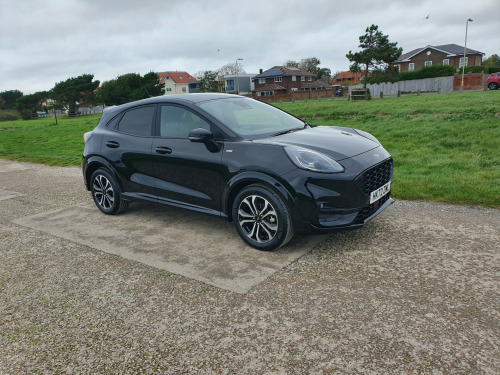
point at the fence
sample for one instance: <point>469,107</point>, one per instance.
<point>472,81</point>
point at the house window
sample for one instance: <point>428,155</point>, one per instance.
<point>266,93</point>
<point>428,63</point>
<point>181,78</point>
<point>310,79</point>
<point>230,85</point>
<point>262,80</point>
<point>302,78</point>
<point>278,79</point>
<point>446,62</point>
<point>169,88</point>
<point>183,89</point>
<point>397,67</point>
<point>462,62</point>
<point>294,78</point>
<point>411,67</point>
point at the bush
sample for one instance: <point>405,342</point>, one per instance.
<point>428,72</point>
<point>9,115</point>
<point>479,69</point>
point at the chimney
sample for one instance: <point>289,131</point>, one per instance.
<point>260,71</point>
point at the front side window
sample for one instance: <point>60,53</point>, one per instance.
<point>177,122</point>
<point>138,121</point>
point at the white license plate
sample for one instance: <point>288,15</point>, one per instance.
<point>380,192</point>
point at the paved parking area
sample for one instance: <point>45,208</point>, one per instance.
<point>415,291</point>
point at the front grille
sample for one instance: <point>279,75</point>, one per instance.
<point>371,180</point>
<point>375,177</point>
<point>369,210</point>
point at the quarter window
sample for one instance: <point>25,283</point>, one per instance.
<point>138,121</point>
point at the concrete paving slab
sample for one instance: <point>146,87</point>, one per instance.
<point>191,244</point>
<point>6,194</point>
<point>9,166</point>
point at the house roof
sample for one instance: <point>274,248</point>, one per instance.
<point>348,74</point>
<point>177,77</point>
<point>283,71</point>
<point>449,49</point>
<point>271,87</point>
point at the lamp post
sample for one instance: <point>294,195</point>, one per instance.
<point>237,77</point>
<point>465,50</point>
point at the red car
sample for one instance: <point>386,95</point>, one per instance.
<point>493,81</point>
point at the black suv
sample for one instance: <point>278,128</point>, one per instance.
<point>235,157</point>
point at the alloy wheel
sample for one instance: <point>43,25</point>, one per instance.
<point>258,219</point>
<point>103,192</point>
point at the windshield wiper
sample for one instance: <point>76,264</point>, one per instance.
<point>288,131</point>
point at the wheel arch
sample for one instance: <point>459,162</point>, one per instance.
<point>93,164</point>
<point>242,180</point>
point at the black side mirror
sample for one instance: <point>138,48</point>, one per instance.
<point>200,135</point>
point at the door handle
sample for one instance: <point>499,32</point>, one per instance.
<point>112,144</point>
<point>163,150</point>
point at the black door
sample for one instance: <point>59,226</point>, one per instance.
<point>187,174</point>
<point>128,148</point>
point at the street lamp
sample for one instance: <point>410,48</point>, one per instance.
<point>465,49</point>
<point>237,77</point>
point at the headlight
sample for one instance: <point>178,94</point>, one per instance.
<point>366,135</point>
<point>312,160</point>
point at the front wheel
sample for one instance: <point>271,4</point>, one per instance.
<point>262,218</point>
<point>493,86</point>
<point>106,193</point>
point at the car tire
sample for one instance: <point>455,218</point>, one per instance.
<point>262,218</point>
<point>107,193</point>
<point>493,86</point>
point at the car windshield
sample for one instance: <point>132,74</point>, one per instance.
<point>251,118</point>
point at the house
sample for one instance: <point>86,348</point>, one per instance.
<point>446,54</point>
<point>284,80</point>
<point>241,84</point>
<point>177,82</point>
<point>348,77</point>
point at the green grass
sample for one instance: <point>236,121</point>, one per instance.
<point>42,141</point>
<point>446,147</point>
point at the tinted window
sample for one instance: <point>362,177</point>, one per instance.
<point>137,121</point>
<point>177,122</point>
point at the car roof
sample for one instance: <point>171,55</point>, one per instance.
<point>194,98</point>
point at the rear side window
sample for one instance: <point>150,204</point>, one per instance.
<point>138,121</point>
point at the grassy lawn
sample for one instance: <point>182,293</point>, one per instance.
<point>446,147</point>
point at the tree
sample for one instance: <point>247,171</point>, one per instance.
<point>128,88</point>
<point>493,60</point>
<point>231,68</point>
<point>74,91</point>
<point>207,81</point>
<point>10,97</point>
<point>28,104</point>
<point>376,52</point>
<point>311,65</point>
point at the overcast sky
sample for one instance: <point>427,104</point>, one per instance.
<point>43,42</point>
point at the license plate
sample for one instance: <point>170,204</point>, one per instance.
<point>380,192</point>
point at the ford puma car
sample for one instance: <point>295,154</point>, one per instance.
<point>267,171</point>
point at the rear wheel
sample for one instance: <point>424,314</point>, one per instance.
<point>493,86</point>
<point>106,193</point>
<point>262,218</point>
